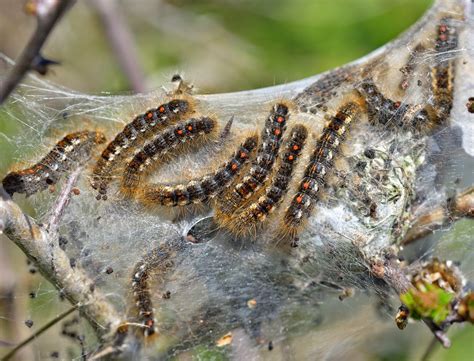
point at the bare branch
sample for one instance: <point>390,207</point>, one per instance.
<point>121,41</point>
<point>62,202</point>
<point>48,13</point>
<point>441,216</point>
<point>54,265</point>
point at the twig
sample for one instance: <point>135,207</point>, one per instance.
<point>396,278</point>
<point>54,265</point>
<point>441,216</point>
<point>438,333</point>
<point>48,13</point>
<point>38,333</point>
<point>62,201</point>
<point>8,280</point>
<point>121,41</point>
<point>429,350</point>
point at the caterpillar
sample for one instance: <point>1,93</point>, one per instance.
<point>320,163</point>
<point>134,134</point>
<point>267,152</point>
<point>74,148</point>
<point>442,75</point>
<point>157,261</point>
<point>275,192</point>
<point>200,190</point>
<point>379,108</point>
<point>407,69</point>
<point>385,111</point>
<point>170,138</point>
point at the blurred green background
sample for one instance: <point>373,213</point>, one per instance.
<point>219,45</point>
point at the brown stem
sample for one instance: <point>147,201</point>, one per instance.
<point>395,277</point>
<point>461,206</point>
<point>48,13</point>
<point>62,202</point>
<point>43,249</point>
<point>121,41</point>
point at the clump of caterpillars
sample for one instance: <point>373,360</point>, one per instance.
<point>259,183</point>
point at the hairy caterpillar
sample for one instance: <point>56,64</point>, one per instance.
<point>200,190</point>
<point>272,134</point>
<point>157,262</point>
<point>74,148</point>
<point>170,138</point>
<point>276,191</point>
<point>133,135</point>
<point>442,74</point>
<point>321,161</point>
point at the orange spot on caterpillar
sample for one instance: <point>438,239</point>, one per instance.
<point>299,199</point>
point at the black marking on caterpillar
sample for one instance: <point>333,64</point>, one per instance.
<point>409,67</point>
<point>272,133</point>
<point>74,148</point>
<point>133,135</point>
<point>156,260</point>
<point>163,142</point>
<point>320,163</point>
<point>442,75</point>
<point>201,190</point>
<point>258,211</point>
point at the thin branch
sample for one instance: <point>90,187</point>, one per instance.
<point>38,333</point>
<point>48,13</point>
<point>441,216</point>
<point>121,41</point>
<point>62,202</point>
<point>395,277</point>
<point>43,249</point>
<point>429,350</point>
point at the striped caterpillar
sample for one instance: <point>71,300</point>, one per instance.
<point>272,136</point>
<point>155,150</point>
<point>133,135</point>
<point>275,192</point>
<point>321,161</point>
<point>158,261</point>
<point>73,149</point>
<point>202,189</point>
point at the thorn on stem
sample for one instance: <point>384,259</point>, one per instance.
<point>41,64</point>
